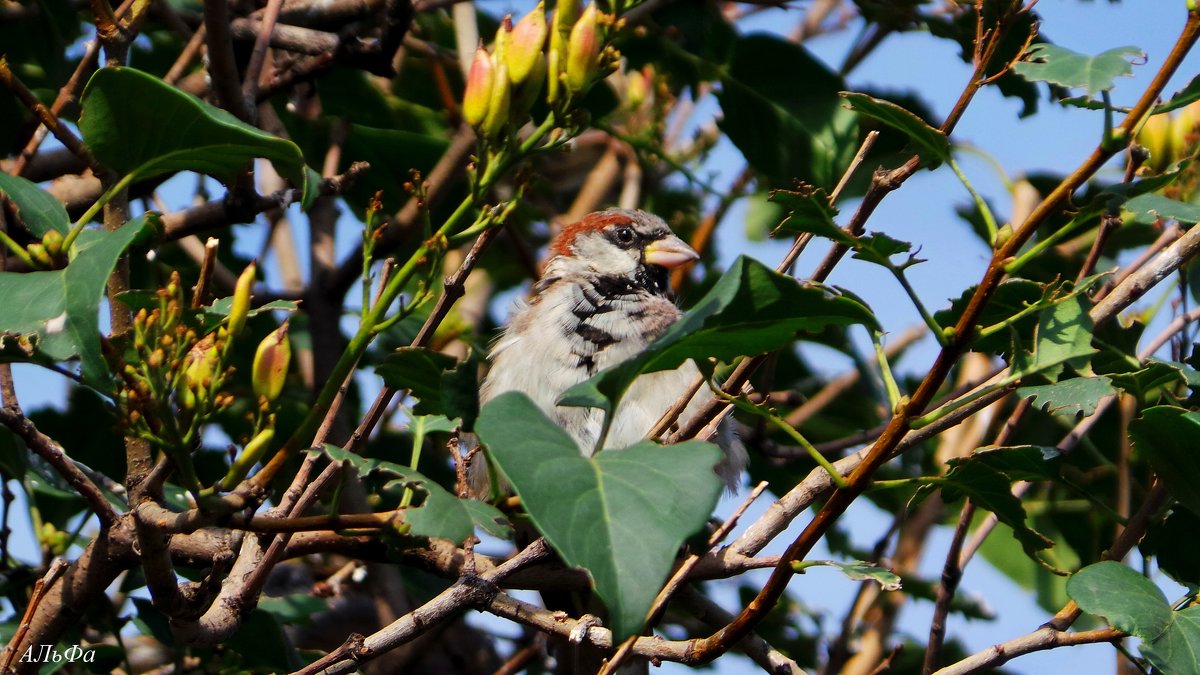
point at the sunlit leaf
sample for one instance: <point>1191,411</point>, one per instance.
<point>1094,74</point>
<point>932,144</point>
<point>138,125</point>
<point>1075,396</point>
<point>621,515</point>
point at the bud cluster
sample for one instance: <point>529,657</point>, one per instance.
<point>173,372</point>
<point>48,253</point>
<point>170,374</point>
<point>568,55</point>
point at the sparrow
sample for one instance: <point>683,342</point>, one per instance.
<point>603,297</point>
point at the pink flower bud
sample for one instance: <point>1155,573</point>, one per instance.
<point>583,51</point>
<point>528,41</point>
<point>271,362</point>
<point>479,88</point>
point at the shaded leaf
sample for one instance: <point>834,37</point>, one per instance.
<point>621,515</point>
<point>1173,544</point>
<point>1189,94</point>
<point>1057,65</point>
<point>442,384</point>
<point>138,125</point>
<point>750,310</point>
<point>489,518</point>
<point>879,248</point>
<point>441,514</point>
<point>990,490</point>
<point>1178,650</point>
<point>1126,599</point>
<point>1166,437</point>
<point>780,108</point>
<point>1078,395</point>
<point>932,144</point>
<point>1020,462</point>
<point>37,209</point>
<point>809,210</point>
<point>1149,208</point>
<point>62,306</point>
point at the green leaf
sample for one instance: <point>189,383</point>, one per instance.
<point>809,211</point>
<point>1063,337</point>
<point>441,514</point>
<point>489,518</point>
<point>1166,437</point>
<point>62,306</point>
<point>621,515</point>
<point>878,248</point>
<point>1020,462</point>
<point>222,306</point>
<point>750,310</point>
<point>763,216</point>
<point>419,370</point>
<point>990,490</point>
<point>1149,208</point>
<point>1157,375</point>
<point>139,126</point>
<point>1078,395</point>
<point>1126,599</point>
<point>296,609</point>
<point>442,384</point>
<point>37,209</point>
<point>1094,74</point>
<point>1182,98</point>
<point>856,570</point>
<point>780,108</point>
<point>1178,650</point>
<point>1173,545</point>
<point>932,144</point>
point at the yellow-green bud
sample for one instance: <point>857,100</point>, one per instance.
<point>498,105</point>
<point>39,255</point>
<point>528,41</point>
<point>1183,129</point>
<point>240,307</point>
<point>53,241</point>
<point>250,455</point>
<point>271,364</point>
<point>1155,137</point>
<point>566,13</point>
<point>478,93</point>
<point>636,87</point>
<point>583,50</point>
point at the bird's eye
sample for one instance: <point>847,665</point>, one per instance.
<point>625,235</point>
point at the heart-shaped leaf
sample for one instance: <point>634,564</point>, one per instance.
<point>139,126</point>
<point>621,514</point>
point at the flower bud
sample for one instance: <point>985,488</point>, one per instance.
<point>240,308</point>
<point>39,255</point>
<point>636,87</point>
<point>1155,137</point>
<point>1183,129</point>
<point>566,13</point>
<point>583,51</point>
<point>53,241</point>
<point>254,451</point>
<point>528,40</point>
<point>499,103</point>
<point>271,364</point>
<point>479,88</point>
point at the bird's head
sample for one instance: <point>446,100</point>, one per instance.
<point>620,243</point>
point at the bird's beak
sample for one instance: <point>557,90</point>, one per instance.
<point>670,252</point>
